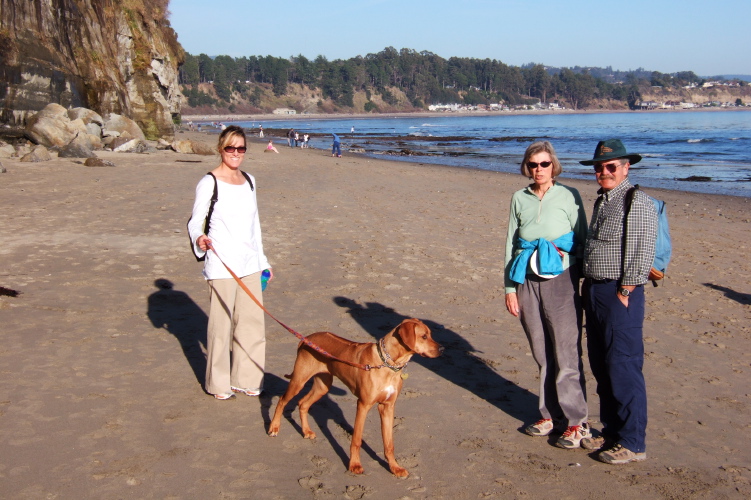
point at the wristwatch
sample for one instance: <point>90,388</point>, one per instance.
<point>624,292</point>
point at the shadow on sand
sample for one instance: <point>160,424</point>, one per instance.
<point>460,364</point>
<point>177,313</point>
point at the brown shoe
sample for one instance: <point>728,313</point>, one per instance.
<point>618,455</point>
<point>593,443</point>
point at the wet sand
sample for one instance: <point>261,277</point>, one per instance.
<point>102,352</point>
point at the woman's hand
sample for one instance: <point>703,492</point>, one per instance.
<point>271,274</point>
<point>512,304</point>
<point>203,242</point>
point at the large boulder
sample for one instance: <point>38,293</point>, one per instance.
<point>193,147</point>
<point>37,154</point>
<point>51,127</point>
<point>91,119</point>
<point>123,125</point>
<point>77,148</point>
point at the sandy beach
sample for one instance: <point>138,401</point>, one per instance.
<point>102,352</point>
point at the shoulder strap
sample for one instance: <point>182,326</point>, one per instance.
<point>628,201</point>
<point>214,197</point>
<point>247,178</point>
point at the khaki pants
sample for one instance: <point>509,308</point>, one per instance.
<point>236,324</point>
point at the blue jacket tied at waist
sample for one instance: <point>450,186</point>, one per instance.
<point>550,261</point>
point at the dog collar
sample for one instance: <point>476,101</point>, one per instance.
<point>386,358</point>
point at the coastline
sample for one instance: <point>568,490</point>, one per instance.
<point>103,362</point>
<point>427,114</point>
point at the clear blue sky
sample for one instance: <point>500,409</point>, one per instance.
<point>707,37</point>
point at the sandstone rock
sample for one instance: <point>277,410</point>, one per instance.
<point>51,126</point>
<point>183,147</point>
<point>120,57</point>
<point>6,151</point>
<point>193,147</point>
<point>37,154</point>
<point>98,162</point>
<point>86,115</point>
<point>201,148</point>
<point>2,169</point>
<point>78,148</point>
<point>122,145</point>
<point>161,144</point>
<point>123,124</point>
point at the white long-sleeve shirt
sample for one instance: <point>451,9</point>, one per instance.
<point>235,229</point>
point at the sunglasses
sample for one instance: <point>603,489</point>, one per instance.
<point>542,164</point>
<point>610,166</point>
<point>232,149</point>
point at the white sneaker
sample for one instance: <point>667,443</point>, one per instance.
<point>573,436</point>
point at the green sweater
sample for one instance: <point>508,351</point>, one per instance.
<point>560,211</point>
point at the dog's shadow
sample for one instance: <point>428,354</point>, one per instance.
<point>460,364</point>
<point>324,413</point>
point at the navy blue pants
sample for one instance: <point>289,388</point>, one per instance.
<point>616,356</point>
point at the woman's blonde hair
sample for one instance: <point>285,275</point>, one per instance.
<point>541,147</point>
<point>229,134</point>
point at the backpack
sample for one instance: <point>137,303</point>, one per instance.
<point>663,245</point>
<point>207,221</point>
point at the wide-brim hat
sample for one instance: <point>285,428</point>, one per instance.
<point>610,150</point>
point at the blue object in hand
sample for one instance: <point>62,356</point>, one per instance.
<point>265,275</point>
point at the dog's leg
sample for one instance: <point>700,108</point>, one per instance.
<point>355,466</point>
<point>321,385</point>
<point>387,432</point>
<point>305,367</point>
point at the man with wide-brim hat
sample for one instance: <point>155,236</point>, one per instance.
<point>616,268</point>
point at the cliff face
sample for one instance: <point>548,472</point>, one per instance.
<point>111,56</point>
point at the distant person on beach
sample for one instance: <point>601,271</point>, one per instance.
<point>297,138</point>
<point>616,266</point>
<point>336,147</point>
<point>353,130</point>
<point>546,233</point>
<point>290,137</point>
<point>270,147</point>
<point>236,338</point>
<point>260,131</point>
<point>305,139</point>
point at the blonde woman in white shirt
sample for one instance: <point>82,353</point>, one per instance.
<point>236,338</point>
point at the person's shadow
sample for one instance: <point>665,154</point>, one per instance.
<point>741,298</point>
<point>460,364</point>
<point>176,312</point>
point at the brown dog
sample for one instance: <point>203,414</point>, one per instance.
<point>379,385</point>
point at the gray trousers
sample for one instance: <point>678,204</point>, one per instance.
<point>552,319</point>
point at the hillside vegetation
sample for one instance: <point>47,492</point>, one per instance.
<point>406,80</point>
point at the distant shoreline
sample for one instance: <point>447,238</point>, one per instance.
<point>426,114</point>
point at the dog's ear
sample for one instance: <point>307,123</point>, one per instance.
<point>407,333</point>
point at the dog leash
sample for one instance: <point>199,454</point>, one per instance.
<point>307,342</point>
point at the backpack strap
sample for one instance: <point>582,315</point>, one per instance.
<point>628,202</point>
<point>214,197</point>
<point>247,178</point>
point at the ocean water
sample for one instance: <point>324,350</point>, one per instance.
<point>711,147</point>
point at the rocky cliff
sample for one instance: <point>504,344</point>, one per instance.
<point>111,56</point>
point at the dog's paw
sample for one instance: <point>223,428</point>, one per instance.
<point>356,468</point>
<point>399,471</point>
<point>309,434</point>
<point>273,431</point>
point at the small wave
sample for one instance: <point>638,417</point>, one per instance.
<point>692,141</point>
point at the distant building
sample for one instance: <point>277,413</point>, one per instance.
<point>284,111</point>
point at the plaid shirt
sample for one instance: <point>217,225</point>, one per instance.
<point>603,251</point>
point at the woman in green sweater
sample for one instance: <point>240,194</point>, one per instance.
<point>546,234</point>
